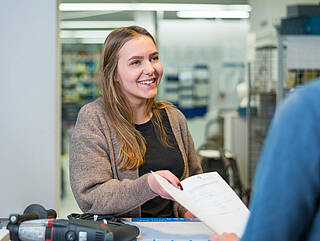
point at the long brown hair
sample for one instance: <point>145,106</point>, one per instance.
<point>133,145</point>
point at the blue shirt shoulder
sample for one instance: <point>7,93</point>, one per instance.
<point>285,204</point>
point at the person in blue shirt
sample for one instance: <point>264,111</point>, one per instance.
<point>286,198</point>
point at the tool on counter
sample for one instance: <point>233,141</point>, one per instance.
<point>39,224</point>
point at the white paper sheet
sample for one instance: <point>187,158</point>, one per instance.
<point>212,200</point>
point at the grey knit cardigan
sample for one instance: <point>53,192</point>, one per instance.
<point>98,183</point>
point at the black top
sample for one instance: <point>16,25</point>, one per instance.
<point>159,157</point>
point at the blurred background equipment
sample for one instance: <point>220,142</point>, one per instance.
<point>215,158</point>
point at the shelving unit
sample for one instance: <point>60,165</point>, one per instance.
<point>80,64</point>
<point>79,74</point>
<point>299,61</point>
<point>187,88</point>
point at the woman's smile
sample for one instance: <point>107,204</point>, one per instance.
<point>148,82</point>
<point>139,69</point>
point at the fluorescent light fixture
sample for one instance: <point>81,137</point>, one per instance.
<point>84,34</point>
<point>95,24</point>
<point>213,14</point>
<point>149,7</point>
<point>72,15</point>
<point>82,40</point>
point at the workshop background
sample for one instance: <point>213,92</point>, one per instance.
<point>227,64</point>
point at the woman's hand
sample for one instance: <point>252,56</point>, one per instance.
<point>188,214</point>
<point>155,186</point>
<point>224,237</point>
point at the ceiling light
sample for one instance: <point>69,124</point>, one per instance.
<point>82,40</point>
<point>213,14</point>
<point>94,24</point>
<point>149,7</point>
<point>84,34</point>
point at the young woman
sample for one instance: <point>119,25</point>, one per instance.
<point>119,138</point>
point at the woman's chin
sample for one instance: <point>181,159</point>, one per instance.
<point>151,95</point>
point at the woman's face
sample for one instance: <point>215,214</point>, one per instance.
<point>139,69</point>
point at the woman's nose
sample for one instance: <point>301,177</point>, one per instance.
<point>148,68</point>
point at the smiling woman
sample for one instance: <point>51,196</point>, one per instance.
<point>140,71</point>
<point>119,138</point>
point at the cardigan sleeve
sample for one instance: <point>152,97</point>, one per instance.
<point>193,162</point>
<point>91,177</point>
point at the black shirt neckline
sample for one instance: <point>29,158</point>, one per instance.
<point>143,126</point>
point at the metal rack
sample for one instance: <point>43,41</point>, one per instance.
<point>276,71</point>
<point>261,104</point>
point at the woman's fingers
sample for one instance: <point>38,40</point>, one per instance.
<point>169,177</point>
<point>156,187</point>
<point>188,214</point>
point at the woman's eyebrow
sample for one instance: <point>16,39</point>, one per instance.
<point>154,53</point>
<point>135,57</point>
<point>141,57</point>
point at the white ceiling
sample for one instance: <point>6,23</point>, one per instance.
<point>98,22</point>
<point>128,15</point>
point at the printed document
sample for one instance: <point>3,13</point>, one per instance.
<point>212,200</point>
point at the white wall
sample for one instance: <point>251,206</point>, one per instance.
<point>188,42</point>
<point>29,129</point>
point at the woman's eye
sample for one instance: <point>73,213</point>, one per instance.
<point>135,62</point>
<point>155,58</point>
